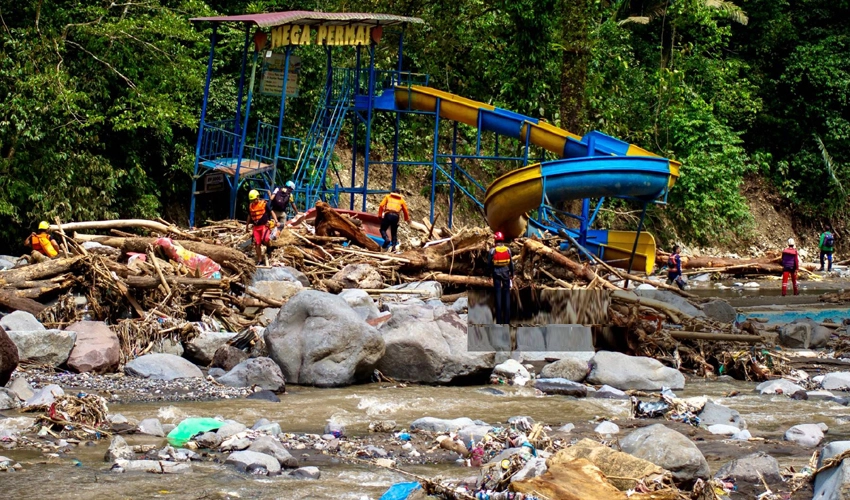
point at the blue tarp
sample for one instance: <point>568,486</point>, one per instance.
<point>400,491</point>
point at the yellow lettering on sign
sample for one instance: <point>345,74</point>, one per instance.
<point>321,34</point>
<point>339,35</point>
<point>294,34</point>
<point>349,35</point>
<point>280,36</point>
<point>329,40</point>
<point>305,36</point>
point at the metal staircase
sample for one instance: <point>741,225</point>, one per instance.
<point>317,154</point>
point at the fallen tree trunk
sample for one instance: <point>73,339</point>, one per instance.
<point>12,302</point>
<point>764,265</point>
<point>582,272</point>
<point>329,222</point>
<point>456,255</point>
<point>459,280</point>
<point>120,223</point>
<point>675,314</point>
<point>35,272</point>
<point>153,282</point>
<point>724,337</point>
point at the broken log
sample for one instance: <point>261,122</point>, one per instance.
<point>112,224</point>
<point>448,256</point>
<point>723,337</point>
<point>330,223</point>
<point>629,297</point>
<point>153,282</point>
<point>764,265</point>
<point>11,302</point>
<point>460,280</point>
<point>582,272</point>
<point>35,272</point>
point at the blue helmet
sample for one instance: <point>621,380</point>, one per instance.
<point>290,184</point>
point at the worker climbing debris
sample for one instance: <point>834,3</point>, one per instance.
<point>502,270</point>
<point>42,244</point>
<point>282,199</point>
<point>389,211</point>
<point>262,219</point>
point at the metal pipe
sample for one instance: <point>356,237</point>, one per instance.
<point>454,169</point>
<point>354,123</point>
<point>201,125</point>
<point>234,188</point>
<point>238,121</point>
<point>637,238</point>
<point>369,121</point>
<point>434,166</point>
<point>282,111</point>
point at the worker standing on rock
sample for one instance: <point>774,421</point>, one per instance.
<point>790,265</point>
<point>674,269</point>
<point>502,270</point>
<point>826,246</point>
<point>41,243</point>
<point>282,199</point>
<point>262,219</point>
<point>391,206</point>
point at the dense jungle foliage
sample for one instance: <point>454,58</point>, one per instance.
<point>99,101</point>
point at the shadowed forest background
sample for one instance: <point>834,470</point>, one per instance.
<point>99,101</point>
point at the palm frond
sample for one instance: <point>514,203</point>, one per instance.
<point>732,11</point>
<point>634,19</point>
<point>827,160</point>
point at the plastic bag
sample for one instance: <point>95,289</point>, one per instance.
<point>191,427</point>
<point>400,491</point>
<point>198,264</point>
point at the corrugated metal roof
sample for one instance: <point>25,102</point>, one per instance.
<point>271,19</point>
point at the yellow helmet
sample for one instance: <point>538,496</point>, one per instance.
<point>253,195</point>
<point>43,225</point>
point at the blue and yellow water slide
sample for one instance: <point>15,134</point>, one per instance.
<point>593,166</point>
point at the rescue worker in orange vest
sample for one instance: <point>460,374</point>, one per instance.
<point>391,206</point>
<point>790,266</point>
<point>41,241</point>
<point>262,219</point>
<point>502,268</point>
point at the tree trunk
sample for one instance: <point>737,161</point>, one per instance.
<point>153,282</point>
<point>35,272</point>
<point>573,63</point>
<point>10,301</point>
<point>456,256</point>
<point>582,272</point>
<point>454,279</point>
<point>328,222</point>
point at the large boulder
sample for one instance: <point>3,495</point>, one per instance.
<point>359,276</point>
<point>836,381</point>
<point>161,367</point>
<point>119,450</point>
<point>833,483</point>
<point>201,349</point>
<point>277,290</point>
<point>9,357</point>
<point>45,396</point>
<point>242,460</point>
<point>433,424</point>
<point>8,399</point>
<point>778,386</point>
<point>270,446</point>
<point>21,321</point>
<point>281,274</point>
<point>715,414</point>
<point>745,472</point>
<point>673,299</point>
<point>318,339</point>
<point>428,289</point>
<point>262,372</point>
<point>623,470</point>
<point>48,347</point>
<point>431,351</point>
<point>633,372</point>
<point>96,349</point>
<point>566,479</point>
<point>569,368</point>
<point>227,356</point>
<point>668,449</point>
<point>804,333</point>
<point>806,435</point>
<point>361,302</point>
<point>560,386</point>
<point>720,310</point>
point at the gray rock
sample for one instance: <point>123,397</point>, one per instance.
<point>168,346</point>
<point>430,351</point>
<point>833,483</point>
<point>167,428</point>
<point>318,339</point>
<point>45,396</point>
<point>806,435</point>
<point>306,473</point>
<point>560,386</point>
<point>361,302</point>
<point>461,305</point>
<point>566,428</point>
<point>743,435</point>
<point>8,399</point>
<point>569,368</point>
<point>208,440</point>
<point>154,466</point>
<point>432,424</point>
<point>272,429</point>
<point>201,349</point>
<point>820,395</point>
<point>375,452</point>
<point>510,369</point>
<point>473,433</point>
<point>244,459</point>
<point>162,367</point>
<point>236,444</point>
<point>713,414</point>
<point>608,392</point>
<point>778,386</point>
<point>671,299</point>
<point>633,372</point>
<point>280,274</point>
<point>96,348</point>
<point>836,381</point>
<point>21,321</point>
<point>804,333</point>
<point>259,423</point>
<point>359,276</point>
<point>270,446</point>
<point>119,450</point>
<point>21,388</point>
<point>151,427</point>
<point>230,429</point>
<point>723,429</point>
<point>430,289</point>
<point>720,310</point>
<point>533,468</point>
<point>265,396</point>
<point>745,471</point>
<point>215,372</point>
<point>262,372</point>
<point>277,290</point>
<point>668,449</point>
<point>607,429</point>
<point>49,347</point>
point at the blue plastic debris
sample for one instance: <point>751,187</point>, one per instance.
<point>400,491</point>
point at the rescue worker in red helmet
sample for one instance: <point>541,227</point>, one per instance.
<point>42,243</point>
<point>262,219</point>
<point>502,269</point>
<point>790,265</point>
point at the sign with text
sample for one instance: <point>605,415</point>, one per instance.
<point>296,34</point>
<point>273,70</point>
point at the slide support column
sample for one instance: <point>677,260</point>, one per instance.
<point>637,238</point>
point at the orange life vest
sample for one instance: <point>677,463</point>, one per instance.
<point>42,243</point>
<point>394,204</point>
<point>501,256</point>
<point>257,210</point>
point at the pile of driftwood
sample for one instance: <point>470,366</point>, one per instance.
<point>769,264</point>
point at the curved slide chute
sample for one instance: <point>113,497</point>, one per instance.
<point>592,166</point>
